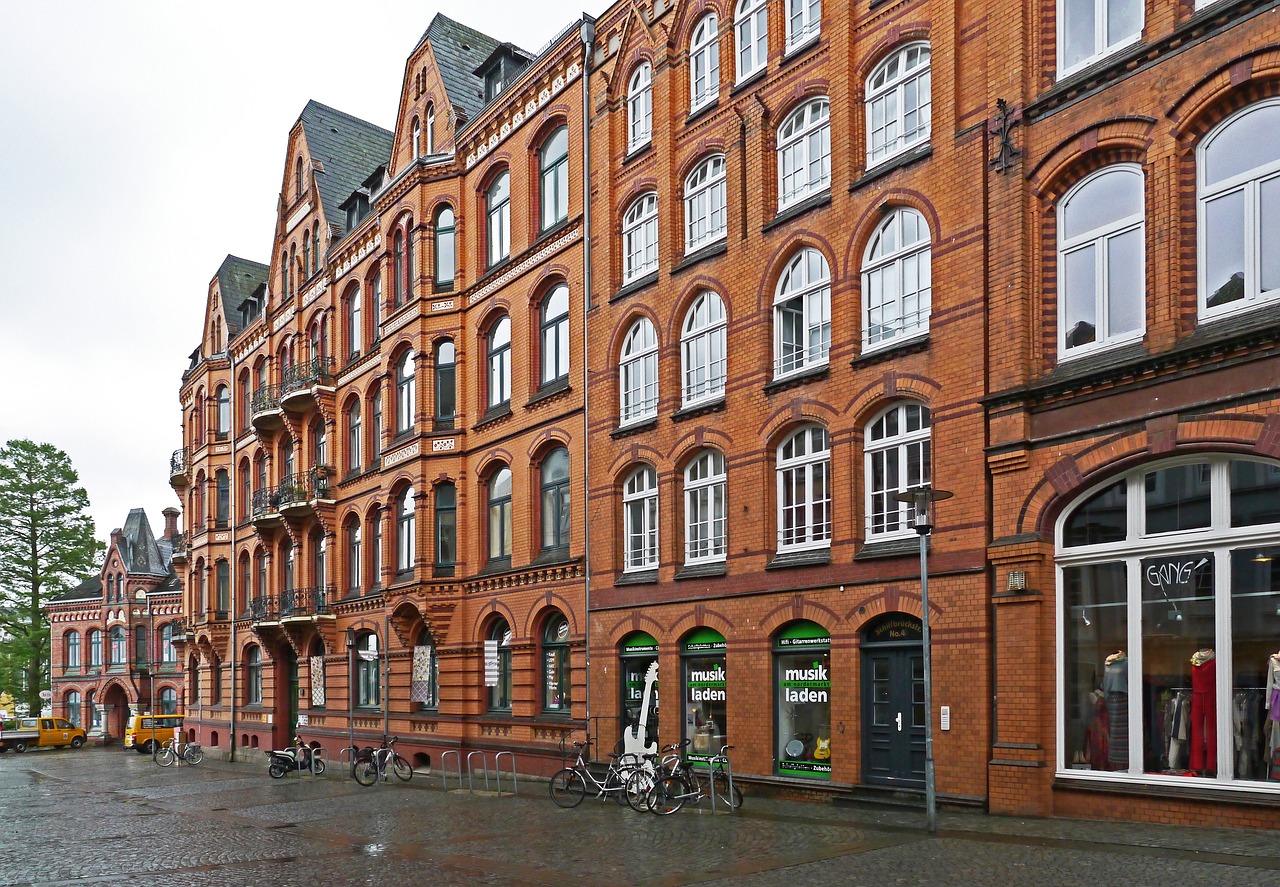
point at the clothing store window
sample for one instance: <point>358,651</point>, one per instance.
<point>555,655</point>
<point>705,694</point>
<point>1167,578</point>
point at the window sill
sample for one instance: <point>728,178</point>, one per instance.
<point>549,232</point>
<point>719,248</point>
<point>701,571</point>
<point>501,411</point>
<point>892,164</point>
<point>549,391</point>
<point>628,430</point>
<point>815,557</point>
<point>635,286</point>
<point>558,555</point>
<point>639,151</point>
<point>801,48</point>
<point>639,577</point>
<point>913,345</point>
<point>496,565</point>
<point>442,425</point>
<point>441,571</point>
<point>822,198</point>
<point>888,548</point>
<point>751,80</point>
<point>699,409</point>
<point>796,379</point>
<point>695,113</point>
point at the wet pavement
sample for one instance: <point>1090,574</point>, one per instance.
<point>98,816</point>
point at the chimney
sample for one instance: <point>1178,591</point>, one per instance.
<point>170,522</point>
<point>117,535</point>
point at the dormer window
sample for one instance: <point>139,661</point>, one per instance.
<point>493,82</point>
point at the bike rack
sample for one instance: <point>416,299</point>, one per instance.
<point>711,781</point>
<point>484,762</point>
<point>444,768</point>
<point>317,754</point>
<point>456,756</point>
<point>497,770</point>
<point>347,757</point>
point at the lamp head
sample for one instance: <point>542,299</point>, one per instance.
<point>919,501</point>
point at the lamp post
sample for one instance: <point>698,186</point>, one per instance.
<point>351,695</point>
<point>920,501</point>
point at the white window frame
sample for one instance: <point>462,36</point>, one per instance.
<point>804,468</point>
<point>498,218</point>
<point>1098,240</point>
<point>554,177</point>
<point>808,296</point>
<point>704,63</point>
<point>406,392</point>
<point>1102,45</point>
<point>554,351</point>
<point>804,23</point>
<point>406,531</point>
<point>640,237</point>
<point>895,121</point>
<point>804,152</point>
<point>705,509</point>
<point>640,108</point>
<point>887,274</point>
<point>640,520</point>
<point>905,447</point>
<point>751,38</point>
<point>638,373</point>
<point>498,356</point>
<point>705,212</point>
<point>1249,184</point>
<point>704,350</point>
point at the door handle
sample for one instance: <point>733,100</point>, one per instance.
<point>899,719</point>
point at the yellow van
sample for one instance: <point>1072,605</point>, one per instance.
<point>148,732</point>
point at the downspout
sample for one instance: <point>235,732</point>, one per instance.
<point>231,614</point>
<point>588,34</point>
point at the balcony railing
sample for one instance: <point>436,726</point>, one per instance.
<point>178,465</point>
<point>316,371</point>
<point>179,545</point>
<point>266,399</point>
<point>266,503</point>
<point>295,603</point>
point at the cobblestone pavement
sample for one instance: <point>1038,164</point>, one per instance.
<point>98,816</point>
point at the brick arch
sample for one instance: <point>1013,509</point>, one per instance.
<point>547,439</point>
<point>687,17</point>
<point>695,287</point>
<point>625,67</point>
<point>695,441</point>
<point>798,606</point>
<point>701,616</point>
<point>867,609</point>
<point>647,185</point>
<point>485,617</point>
<point>542,610</point>
<point>794,414</point>
<point>867,223</point>
<point>636,620</point>
<point>490,460</point>
<point>549,276</point>
<point>1116,140</point>
<point>891,386</point>
<point>623,326</point>
<point>1237,82</point>
<point>622,466</point>
<point>777,263</point>
<point>895,38</point>
<point>706,147</point>
<point>552,119</point>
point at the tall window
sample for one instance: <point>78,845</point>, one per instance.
<point>896,274</point>
<point>375,424</point>
<point>555,500</point>
<point>355,334</point>
<point>398,268</point>
<point>499,347</point>
<point>898,103</point>
<point>353,557</point>
<point>500,515</point>
<point>73,650</point>
<point>406,393</point>
<point>804,21</point>
<point>375,303</point>
<point>319,561</point>
<point>640,107</point>
<point>1091,29</point>
<point>375,548</point>
<point>804,490</point>
<point>555,334</point>
<point>417,138</point>
<point>498,214</point>
<point>224,411</point>
<point>246,491</point>
<point>640,237</point>
<point>446,383</point>
<point>431,129</point>
<point>405,532</point>
<point>73,708</point>
<point>704,63</point>
<point>222,585</point>
<point>555,665</point>
<point>315,250</point>
<point>168,652</point>
<point>424,687</point>
<point>897,456</point>
<point>638,382</point>
<point>554,185</point>
<point>306,254</point>
<point>804,152</point>
<point>1239,211</point>
<point>354,447</point>
<point>368,688</point>
<point>499,647</point>
<point>640,520</point>
<point>704,204</point>
<point>751,27</point>
<point>1101,264</point>
<point>222,484</point>
<point>95,648</point>
<point>169,697</point>
<point>703,350</point>
<point>704,508</point>
<point>140,654</point>
<point>260,570</point>
<point>446,528</point>
<point>446,252</point>
<point>802,314</point>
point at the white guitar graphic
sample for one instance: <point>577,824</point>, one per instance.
<point>635,740</point>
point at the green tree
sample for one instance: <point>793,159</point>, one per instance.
<point>46,547</point>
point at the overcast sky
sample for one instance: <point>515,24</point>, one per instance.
<point>140,143</point>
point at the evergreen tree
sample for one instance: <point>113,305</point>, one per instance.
<point>46,547</point>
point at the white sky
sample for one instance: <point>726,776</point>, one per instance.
<point>140,143</point>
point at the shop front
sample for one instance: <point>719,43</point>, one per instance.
<point>705,694</point>
<point>802,701</point>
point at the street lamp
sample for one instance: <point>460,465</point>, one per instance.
<point>920,501</point>
<point>351,695</point>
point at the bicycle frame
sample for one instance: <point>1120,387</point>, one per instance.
<point>615,769</point>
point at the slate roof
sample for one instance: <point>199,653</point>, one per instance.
<point>89,588</point>
<point>237,279</point>
<point>141,553</point>
<point>348,149</point>
<point>459,50</point>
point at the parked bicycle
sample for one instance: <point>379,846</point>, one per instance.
<point>683,783</point>
<point>380,762</point>
<point>191,752</point>
<point>569,786</point>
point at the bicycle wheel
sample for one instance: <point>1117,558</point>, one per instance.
<point>317,766</point>
<point>639,784</point>
<point>402,769</point>
<point>567,788</point>
<point>165,756</point>
<point>720,785</point>
<point>366,772</point>
<point>668,795</point>
<point>194,754</point>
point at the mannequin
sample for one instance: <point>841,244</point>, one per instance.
<point>1115,689</point>
<point>1204,712</point>
<point>1272,702</point>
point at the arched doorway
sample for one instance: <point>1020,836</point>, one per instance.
<point>893,737</point>
<point>285,681</point>
<point>115,715</point>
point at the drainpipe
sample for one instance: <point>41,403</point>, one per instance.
<point>231,613</point>
<point>588,34</point>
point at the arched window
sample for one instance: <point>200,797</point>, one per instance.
<point>898,103</point>
<point>319,443</point>
<point>705,520</point>
<point>804,22</point>
<point>1091,29</point>
<point>398,268</point>
<point>640,237</point>
<point>555,335</point>
<point>253,676</point>
<point>446,529</point>
<point>375,303</point>
<point>446,384</point>
<point>368,689</point>
<point>802,314</point>
<point>315,250</point>
<point>355,331</point>
<point>640,520</point>
<point>555,660</point>
<point>417,138</point>
<point>896,286</point>
<point>406,393</point>
<point>73,651</point>
<point>223,396</point>
<point>375,424</point>
<point>168,653</point>
<point>72,707</point>
<point>406,536</point>
<point>704,63</point>
<point>246,491</point>
<point>306,254</point>
<point>804,490</point>
<point>260,573</point>
<point>141,656</point>
<point>297,178</point>
<point>1238,191</point>
<point>354,565</point>
<point>499,358</point>
<point>222,485</point>
<point>804,152</point>
<point>319,564</point>
<point>244,594</point>
<point>555,500</point>
<point>638,369</point>
<point>500,692</point>
<point>705,220</point>
<point>498,218</point>
<point>169,699</point>
<point>193,680</point>
<point>431,128</point>
<point>424,687</point>
<point>119,647</point>
<point>222,586</point>
<point>375,548</point>
<point>751,27</point>
<point>897,456</point>
<point>554,184</point>
<point>500,515</point>
<point>1101,265</point>
<point>703,350</point>
<point>640,107</point>
<point>92,714</point>
<point>354,448</point>
<point>446,252</point>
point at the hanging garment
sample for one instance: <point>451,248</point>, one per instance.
<point>1204,713</point>
<point>1097,736</point>
<point>1177,726</point>
<point>1115,686</point>
<point>1273,714</point>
